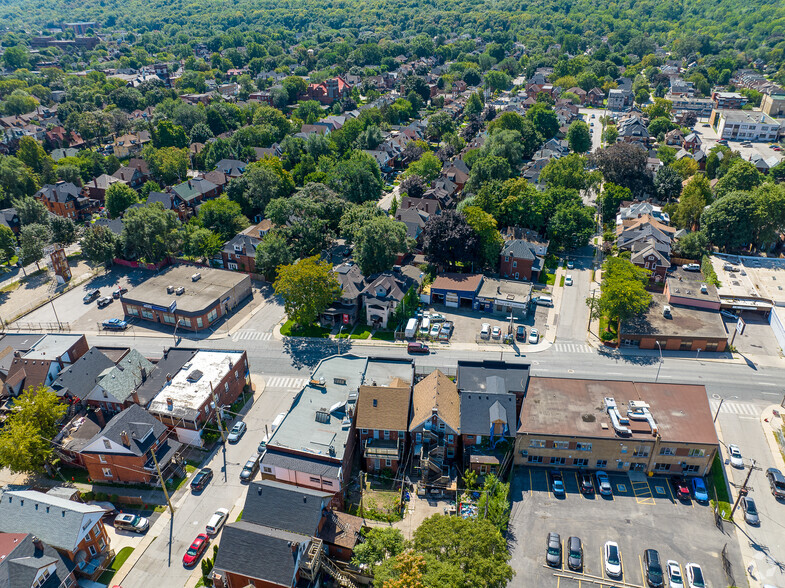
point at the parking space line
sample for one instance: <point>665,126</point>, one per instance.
<point>562,555</point>
<point>642,492</point>
<point>621,565</point>
<point>670,492</point>
<point>643,574</point>
<point>531,484</point>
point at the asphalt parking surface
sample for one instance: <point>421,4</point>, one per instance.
<point>468,323</point>
<point>640,515</point>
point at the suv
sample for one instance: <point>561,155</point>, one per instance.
<point>587,486</point>
<point>520,333</point>
<point>249,469</point>
<point>201,479</point>
<point>417,347</point>
<point>777,482</point>
<point>553,553</point>
<point>485,331</point>
<point>131,522</point>
<point>651,561</point>
<point>105,301</point>
<point>91,295</point>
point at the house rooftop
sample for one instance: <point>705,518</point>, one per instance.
<point>192,386</point>
<point>480,409</point>
<point>52,346</point>
<point>477,376</point>
<point>573,407</point>
<point>692,323</point>
<point>384,407</point>
<point>460,282</point>
<point>171,363</point>
<point>285,507</point>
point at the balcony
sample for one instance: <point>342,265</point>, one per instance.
<point>312,561</point>
<point>382,449</point>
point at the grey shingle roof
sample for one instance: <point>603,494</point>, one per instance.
<point>241,240</point>
<point>120,380</point>
<point>307,465</point>
<point>137,422</point>
<point>283,506</point>
<point>519,249</point>
<point>82,376</point>
<point>19,568</point>
<point>247,550</point>
<point>479,409</point>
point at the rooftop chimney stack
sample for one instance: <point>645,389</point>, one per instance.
<point>125,439</point>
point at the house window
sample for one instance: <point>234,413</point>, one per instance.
<point>662,467</point>
<point>697,453</point>
<point>691,468</point>
<point>558,460</point>
<point>450,438</point>
<point>387,435</point>
<point>450,452</point>
<point>441,426</point>
<point>236,377</point>
<point>107,472</point>
<point>314,480</point>
<point>107,444</point>
<point>667,451</point>
<point>581,462</point>
<point>602,463</point>
<point>327,482</point>
<point>388,462</point>
<point>267,469</point>
<point>92,549</point>
<point>538,443</point>
<point>623,449</point>
<point>561,445</point>
<point>211,315</point>
<point>506,258</point>
<point>641,451</point>
<point>514,264</point>
<point>102,458</point>
<point>534,459</point>
<point>364,431</point>
<point>583,446</point>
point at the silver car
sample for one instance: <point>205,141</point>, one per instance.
<point>750,511</point>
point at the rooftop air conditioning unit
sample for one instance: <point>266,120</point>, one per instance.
<point>196,277</point>
<point>169,289</point>
<point>180,290</point>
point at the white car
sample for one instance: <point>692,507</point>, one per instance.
<point>674,574</point>
<point>568,280</point>
<point>695,576</point>
<point>435,330</point>
<point>534,336</point>
<point>217,521</point>
<point>604,483</point>
<point>735,456</point>
<point>496,333</point>
<point>485,331</point>
<point>612,559</point>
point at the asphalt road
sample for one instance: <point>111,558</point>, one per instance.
<point>574,314</point>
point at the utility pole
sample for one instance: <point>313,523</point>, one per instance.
<point>743,489</point>
<point>716,414</point>
<point>591,309</point>
<point>163,483</point>
<point>220,428</point>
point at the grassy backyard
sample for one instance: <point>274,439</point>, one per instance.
<point>117,563</point>
<point>288,329</point>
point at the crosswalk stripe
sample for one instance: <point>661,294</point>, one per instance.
<point>742,408</point>
<point>286,382</point>
<point>250,335</point>
<point>572,348</point>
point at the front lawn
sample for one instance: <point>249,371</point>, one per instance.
<point>608,331</point>
<point>117,563</point>
<point>384,335</point>
<point>288,329</point>
<point>717,486</point>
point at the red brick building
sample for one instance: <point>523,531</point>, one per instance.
<point>329,91</point>
<point>65,199</point>
<point>382,421</point>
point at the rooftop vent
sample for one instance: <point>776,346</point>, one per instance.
<point>322,416</point>
<point>194,376</point>
<point>169,289</point>
<point>169,404</point>
<point>180,290</point>
<point>196,277</point>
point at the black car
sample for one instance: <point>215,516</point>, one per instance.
<point>574,553</point>
<point>91,295</point>
<point>586,484</point>
<point>520,333</point>
<point>651,561</point>
<point>553,553</point>
<point>249,469</point>
<point>119,292</point>
<point>201,479</point>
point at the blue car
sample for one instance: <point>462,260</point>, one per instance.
<point>557,483</point>
<point>114,324</point>
<point>699,490</point>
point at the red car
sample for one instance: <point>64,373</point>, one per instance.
<point>681,489</point>
<point>196,550</point>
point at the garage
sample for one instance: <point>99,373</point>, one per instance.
<point>456,290</point>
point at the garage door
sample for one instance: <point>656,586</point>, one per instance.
<point>451,300</point>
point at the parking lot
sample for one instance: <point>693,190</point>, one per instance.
<point>468,323</point>
<point>641,514</point>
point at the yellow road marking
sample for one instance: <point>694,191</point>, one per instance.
<point>531,484</point>
<point>643,573</point>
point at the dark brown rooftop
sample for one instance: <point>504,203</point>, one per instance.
<point>576,408</point>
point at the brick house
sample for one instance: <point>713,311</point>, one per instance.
<point>239,253</point>
<point>193,192</point>
<point>28,562</point>
<point>329,91</point>
<point>436,416</point>
<point>130,176</point>
<point>346,308</point>
<point>523,254</point>
<point>122,452</point>
<point>65,199</point>
<point>382,421</point>
<point>595,97</point>
<point>97,187</point>
<point>74,529</point>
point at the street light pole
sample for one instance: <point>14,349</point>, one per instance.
<point>659,365</point>
<point>338,338</point>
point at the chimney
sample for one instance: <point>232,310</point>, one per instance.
<point>169,404</point>
<point>39,545</point>
<point>99,415</point>
<point>95,182</point>
<point>125,439</point>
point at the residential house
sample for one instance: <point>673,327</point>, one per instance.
<point>74,529</point>
<point>218,178</point>
<point>97,187</point>
<point>487,418</point>
<point>648,255</point>
<point>233,168</point>
<point>28,562</point>
<point>42,363</point>
<point>674,137</point>
<point>414,219</point>
<point>346,309</point>
<point>523,259</point>
<point>287,537</point>
<point>167,200</point>
<point>65,199</point>
<point>634,210</point>
<point>9,218</point>
<point>595,97</point>
<point>620,99</point>
<point>239,253</point>
<point>457,172</point>
<point>382,420</point>
<point>579,92</point>
<point>634,129</point>
<point>58,137</point>
<point>131,176</point>
<point>329,91</point>
<point>78,379</point>
<point>383,294</point>
<point>122,451</point>
<point>130,144</point>
<point>435,427</point>
<point>58,154</point>
<point>480,377</point>
<point>116,385</point>
<point>692,142</point>
<point>193,192</point>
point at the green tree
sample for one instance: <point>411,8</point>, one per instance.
<point>661,108</point>
<point>32,154</point>
<point>494,503</point>
<point>223,217</point>
<point>611,198</point>
<point>486,169</point>
<point>506,144</point>
<point>378,243</point>
<point>356,216</point>
<point>568,172</point>
<point>25,439</point>
<point>294,86</point>
<point>119,196</point>
<point>168,134</point>
<point>579,137</point>
<point>262,182</point>
<point>439,124</point>
<point>16,57</point>
<point>202,243</point>
<point>201,133</point>
<point>150,233</point>
<point>271,253</point>
<point>741,175</point>
<point>19,102</point>
<point>428,167</point>
<point>69,173</point>
<point>572,225</point>
<point>623,290</point>
<point>31,211</point>
<point>147,187</point>
<point>308,112</point>
<point>544,120</point>
<point>307,287</point>
<point>695,196</point>
<point>667,182</point>
<point>99,244</point>
<point>474,105</point>
<point>32,240</point>
<point>378,545</point>
<point>168,164</point>
<point>448,239</point>
<point>7,244</point>
<point>610,134</point>
<point>63,230</point>
<point>693,245</point>
<point>497,81</point>
<point>357,179</point>
<point>489,239</point>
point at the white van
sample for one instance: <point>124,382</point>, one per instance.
<point>425,326</point>
<point>545,301</point>
<point>278,420</point>
<point>411,328</point>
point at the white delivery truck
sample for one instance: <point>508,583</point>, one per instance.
<point>411,328</point>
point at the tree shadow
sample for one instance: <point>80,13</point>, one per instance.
<point>611,353</point>
<point>307,353</point>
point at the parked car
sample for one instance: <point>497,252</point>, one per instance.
<point>485,331</point>
<point>557,483</point>
<point>736,460</point>
<point>425,326</point>
<point>574,553</point>
<point>201,479</point>
<point>131,522</point>
<point>553,552</point>
<point>674,574</point>
<point>776,482</point>
<point>730,268</point>
<point>446,332</point>
<point>699,491</point>
<point>114,324</point>
<point>604,483</point>
<point>680,488</point>
<point>196,549</point>
<point>570,265</point>
<point>651,563</point>
<point>237,432</point>
<point>568,280</point>
<point>119,292</point>
<point>728,314</point>
<point>586,484</point>
<point>435,330</point>
<point>217,521</point>
<point>417,347</point>
<point>534,336</point>
<point>691,267</point>
<point>612,559</point>
<point>263,444</point>
<point>105,301</point>
<point>277,421</point>
<point>436,317</point>
<point>750,511</point>
<point>496,333</point>
<point>544,301</point>
<point>695,576</point>
<point>91,295</point>
<point>250,468</point>
<point>520,333</point>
